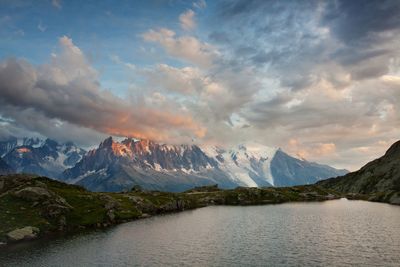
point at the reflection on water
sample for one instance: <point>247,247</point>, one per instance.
<point>332,233</point>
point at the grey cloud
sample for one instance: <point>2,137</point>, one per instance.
<point>29,122</point>
<point>294,40</point>
<point>359,22</point>
<point>219,37</point>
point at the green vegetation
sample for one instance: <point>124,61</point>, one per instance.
<point>17,213</point>
<point>29,202</point>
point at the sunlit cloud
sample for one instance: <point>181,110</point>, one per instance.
<point>67,89</point>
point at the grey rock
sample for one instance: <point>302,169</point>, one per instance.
<point>62,223</point>
<point>55,210</point>
<point>111,215</point>
<point>111,203</point>
<point>25,233</point>
<point>33,193</point>
<point>395,199</point>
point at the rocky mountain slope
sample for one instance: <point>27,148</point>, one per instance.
<point>380,178</point>
<point>117,166</point>
<point>12,142</point>
<point>289,171</point>
<point>4,168</point>
<point>35,206</point>
<point>42,157</point>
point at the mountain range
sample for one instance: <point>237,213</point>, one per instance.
<point>42,157</point>
<point>64,207</point>
<point>12,142</point>
<point>117,166</point>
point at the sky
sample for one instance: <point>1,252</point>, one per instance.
<point>319,79</point>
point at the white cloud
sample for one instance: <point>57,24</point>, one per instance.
<point>187,80</point>
<point>200,4</point>
<point>186,48</point>
<point>187,20</point>
<point>41,27</point>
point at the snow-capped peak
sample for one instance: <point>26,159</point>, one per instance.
<point>247,164</point>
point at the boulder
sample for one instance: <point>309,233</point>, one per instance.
<point>62,223</point>
<point>111,215</point>
<point>55,210</point>
<point>33,193</point>
<point>143,205</point>
<point>395,199</point>
<point>25,233</point>
<point>110,203</point>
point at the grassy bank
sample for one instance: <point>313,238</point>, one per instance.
<point>32,207</point>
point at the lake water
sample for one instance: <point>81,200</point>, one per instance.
<point>332,233</point>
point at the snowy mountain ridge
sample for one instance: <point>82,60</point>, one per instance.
<point>118,165</point>
<point>42,157</point>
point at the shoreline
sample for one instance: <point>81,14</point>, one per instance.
<point>69,234</point>
<point>37,207</point>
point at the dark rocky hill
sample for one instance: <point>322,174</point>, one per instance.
<point>380,178</point>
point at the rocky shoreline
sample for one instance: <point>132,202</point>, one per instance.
<point>34,207</point>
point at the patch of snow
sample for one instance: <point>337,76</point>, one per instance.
<point>157,167</point>
<point>238,162</point>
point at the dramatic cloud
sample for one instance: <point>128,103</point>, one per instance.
<point>67,89</point>
<point>321,79</point>
<point>329,66</point>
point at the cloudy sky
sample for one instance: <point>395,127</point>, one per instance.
<point>320,79</point>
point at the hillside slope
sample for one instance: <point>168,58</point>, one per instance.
<point>380,178</point>
<point>5,168</point>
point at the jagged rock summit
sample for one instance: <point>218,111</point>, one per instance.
<point>117,166</point>
<point>48,158</point>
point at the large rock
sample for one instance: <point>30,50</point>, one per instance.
<point>395,199</point>
<point>110,203</point>
<point>33,193</point>
<point>25,233</point>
